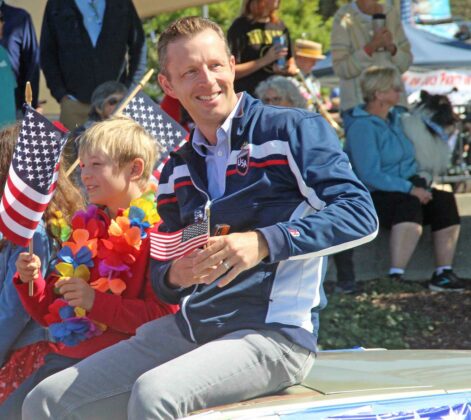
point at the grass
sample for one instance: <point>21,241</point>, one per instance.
<point>370,320</point>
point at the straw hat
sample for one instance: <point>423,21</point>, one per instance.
<point>310,49</point>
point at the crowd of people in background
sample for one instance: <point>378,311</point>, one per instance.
<point>255,89</point>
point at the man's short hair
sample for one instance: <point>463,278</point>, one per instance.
<point>123,140</point>
<point>379,79</point>
<point>186,27</point>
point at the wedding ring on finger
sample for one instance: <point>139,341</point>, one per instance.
<point>226,265</point>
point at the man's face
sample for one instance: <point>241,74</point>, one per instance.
<point>200,75</point>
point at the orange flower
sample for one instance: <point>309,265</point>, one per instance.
<point>103,284</point>
<point>80,237</point>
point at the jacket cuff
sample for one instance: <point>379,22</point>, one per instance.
<point>158,275</point>
<point>277,243</point>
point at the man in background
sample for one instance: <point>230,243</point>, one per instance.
<point>85,43</point>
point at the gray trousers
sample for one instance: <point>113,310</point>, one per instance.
<point>158,374</point>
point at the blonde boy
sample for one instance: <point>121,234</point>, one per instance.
<point>117,157</point>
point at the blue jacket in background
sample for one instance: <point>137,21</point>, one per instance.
<point>17,329</point>
<point>288,178</point>
<point>381,155</point>
<point>19,39</point>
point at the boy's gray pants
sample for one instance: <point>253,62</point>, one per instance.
<point>159,374</point>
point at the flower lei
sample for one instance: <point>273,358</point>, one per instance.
<point>89,242</point>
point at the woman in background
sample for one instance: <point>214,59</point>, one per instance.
<point>384,160</point>
<point>251,41</point>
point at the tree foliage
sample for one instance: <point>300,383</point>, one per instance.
<point>301,16</point>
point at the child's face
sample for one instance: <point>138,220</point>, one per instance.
<point>105,182</point>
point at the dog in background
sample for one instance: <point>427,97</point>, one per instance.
<point>431,125</point>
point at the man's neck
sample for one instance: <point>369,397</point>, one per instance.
<point>209,131</point>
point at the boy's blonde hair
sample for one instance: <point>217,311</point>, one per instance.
<point>379,79</point>
<point>123,140</point>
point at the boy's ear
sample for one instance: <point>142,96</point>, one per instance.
<point>137,168</point>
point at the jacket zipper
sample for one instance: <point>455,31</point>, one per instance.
<point>187,298</point>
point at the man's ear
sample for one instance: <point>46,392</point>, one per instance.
<point>137,168</point>
<point>166,85</point>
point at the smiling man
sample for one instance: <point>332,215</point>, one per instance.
<point>250,299</point>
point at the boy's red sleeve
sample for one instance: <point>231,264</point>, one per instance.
<point>127,314</point>
<point>38,304</point>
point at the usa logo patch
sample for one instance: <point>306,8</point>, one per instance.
<point>243,159</point>
<point>294,232</point>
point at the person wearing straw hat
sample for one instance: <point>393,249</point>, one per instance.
<point>307,53</point>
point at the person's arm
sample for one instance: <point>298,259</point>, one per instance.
<point>366,159</point>
<point>348,60</point>
<point>137,49</point>
<point>341,215</point>
<point>401,49</point>
<point>13,316</point>
<point>249,67</point>
<point>49,53</point>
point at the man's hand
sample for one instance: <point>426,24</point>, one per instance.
<point>28,266</point>
<point>77,292</point>
<point>382,38</point>
<point>230,254</point>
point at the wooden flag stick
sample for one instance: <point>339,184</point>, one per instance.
<point>134,92</point>
<point>29,101</point>
<point>118,110</point>
<point>321,107</point>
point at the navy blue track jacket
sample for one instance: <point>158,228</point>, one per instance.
<point>288,178</point>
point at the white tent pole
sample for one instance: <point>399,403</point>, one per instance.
<point>205,11</point>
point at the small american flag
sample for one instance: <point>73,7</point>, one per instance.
<point>31,178</point>
<point>168,246</point>
<point>158,124</point>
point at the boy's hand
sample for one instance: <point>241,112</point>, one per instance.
<point>28,266</point>
<point>77,292</point>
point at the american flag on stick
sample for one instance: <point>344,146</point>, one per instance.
<point>31,179</point>
<point>168,246</point>
<point>158,124</point>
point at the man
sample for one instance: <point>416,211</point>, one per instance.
<point>19,39</point>
<point>355,46</point>
<point>279,179</point>
<point>85,43</point>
